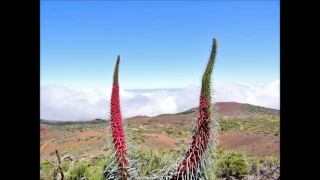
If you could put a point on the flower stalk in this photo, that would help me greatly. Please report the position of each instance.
(117, 126)
(190, 166)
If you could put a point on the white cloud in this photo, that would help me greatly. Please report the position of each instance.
(266, 96)
(61, 103)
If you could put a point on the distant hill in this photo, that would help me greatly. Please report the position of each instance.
(235, 109)
(225, 109)
(52, 122)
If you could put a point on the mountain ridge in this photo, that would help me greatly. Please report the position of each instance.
(225, 109)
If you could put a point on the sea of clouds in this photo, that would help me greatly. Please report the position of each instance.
(62, 103)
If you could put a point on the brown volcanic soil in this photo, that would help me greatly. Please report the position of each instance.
(50, 135)
(139, 118)
(159, 141)
(52, 146)
(89, 134)
(253, 144)
(225, 108)
(232, 140)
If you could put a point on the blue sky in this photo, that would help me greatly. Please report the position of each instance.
(163, 44)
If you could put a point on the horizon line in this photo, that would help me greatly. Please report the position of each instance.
(156, 115)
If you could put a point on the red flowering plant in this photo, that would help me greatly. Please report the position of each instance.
(118, 137)
(196, 162)
(120, 164)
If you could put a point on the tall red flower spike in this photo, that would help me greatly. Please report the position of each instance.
(117, 126)
(190, 167)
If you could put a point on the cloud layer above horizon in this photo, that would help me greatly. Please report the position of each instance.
(62, 103)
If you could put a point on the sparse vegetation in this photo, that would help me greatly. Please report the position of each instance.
(78, 172)
(262, 123)
(230, 164)
(267, 124)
